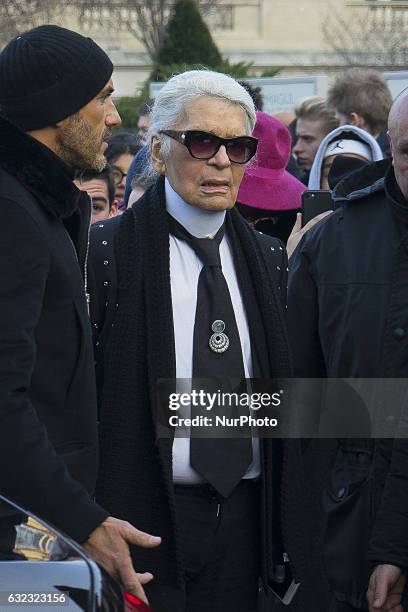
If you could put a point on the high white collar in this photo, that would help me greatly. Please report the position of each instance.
(199, 222)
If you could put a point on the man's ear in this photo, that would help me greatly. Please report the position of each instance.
(157, 156)
(357, 120)
(113, 211)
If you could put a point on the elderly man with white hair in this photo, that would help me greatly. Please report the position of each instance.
(185, 289)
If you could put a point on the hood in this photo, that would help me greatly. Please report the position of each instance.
(362, 182)
(343, 130)
(42, 172)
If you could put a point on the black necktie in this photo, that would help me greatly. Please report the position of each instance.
(217, 358)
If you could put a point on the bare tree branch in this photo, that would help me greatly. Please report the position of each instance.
(146, 20)
(368, 36)
(17, 16)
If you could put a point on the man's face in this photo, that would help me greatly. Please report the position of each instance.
(309, 134)
(210, 184)
(82, 136)
(398, 135)
(121, 166)
(97, 189)
(327, 163)
(143, 125)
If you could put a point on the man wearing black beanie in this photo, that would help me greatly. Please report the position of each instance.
(56, 112)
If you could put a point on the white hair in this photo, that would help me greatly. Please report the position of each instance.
(181, 89)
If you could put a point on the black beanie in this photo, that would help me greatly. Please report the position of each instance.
(49, 73)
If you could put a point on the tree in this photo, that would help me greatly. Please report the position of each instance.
(146, 20)
(374, 36)
(187, 38)
(17, 16)
(188, 44)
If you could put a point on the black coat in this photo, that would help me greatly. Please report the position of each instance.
(348, 317)
(48, 427)
(136, 470)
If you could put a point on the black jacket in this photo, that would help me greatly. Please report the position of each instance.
(348, 318)
(136, 469)
(48, 431)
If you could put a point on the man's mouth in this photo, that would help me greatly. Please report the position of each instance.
(215, 185)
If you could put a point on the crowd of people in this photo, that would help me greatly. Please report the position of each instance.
(197, 272)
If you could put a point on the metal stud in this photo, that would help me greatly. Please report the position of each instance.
(105, 263)
(277, 267)
(104, 242)
(105, 283)
(101, 225)
(280, 248)
(272, 248)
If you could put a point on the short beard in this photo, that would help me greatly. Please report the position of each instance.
(79, 147)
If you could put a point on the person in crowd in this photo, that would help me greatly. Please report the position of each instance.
(313, 122)
(100, 186)
(56, 113)
(347, 318)
(138, 178)
(361, 97)
(143, 121)
(269, 196)
(122, 147)
(288, 118)
(346, 141)
(388, 544)
(199, 294)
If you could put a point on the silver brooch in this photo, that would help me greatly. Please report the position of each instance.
(219, 342)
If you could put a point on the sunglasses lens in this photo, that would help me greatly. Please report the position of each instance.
(203, 145)
(241, 150)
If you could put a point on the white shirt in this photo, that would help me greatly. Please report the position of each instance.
(185, 268)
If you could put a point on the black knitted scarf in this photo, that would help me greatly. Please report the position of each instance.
(136, 468)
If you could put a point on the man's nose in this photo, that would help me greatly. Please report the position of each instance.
(221, 158)
(112, 117)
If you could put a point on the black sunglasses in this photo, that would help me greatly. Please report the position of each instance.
(204, 145)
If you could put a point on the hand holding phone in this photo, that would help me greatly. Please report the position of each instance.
(315, 203)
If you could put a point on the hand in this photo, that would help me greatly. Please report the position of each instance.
(109, 546)
(385, 589)
(298, 231)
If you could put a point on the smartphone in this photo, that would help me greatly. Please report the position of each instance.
(314, 203)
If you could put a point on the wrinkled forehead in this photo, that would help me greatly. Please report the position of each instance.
(94, 187)
(215, 115)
